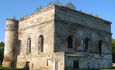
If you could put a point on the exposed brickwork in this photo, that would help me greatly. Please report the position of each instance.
(7, 59)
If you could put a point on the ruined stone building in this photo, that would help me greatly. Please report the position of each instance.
(58, 38)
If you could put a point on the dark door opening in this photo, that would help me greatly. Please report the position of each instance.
(12, 64)
(27, 66)
(76, 65)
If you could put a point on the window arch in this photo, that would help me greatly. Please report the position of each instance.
(86, 42)
(100, 46)
(41, 43)
(70, 42)
(29, 45)
(19, 47)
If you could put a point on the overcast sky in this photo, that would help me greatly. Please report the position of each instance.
(20, 8)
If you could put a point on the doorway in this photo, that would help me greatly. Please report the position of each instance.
(76, 65)
(27, 66)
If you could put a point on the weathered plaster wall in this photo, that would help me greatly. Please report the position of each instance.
(79, 34)
(40, 24)
(11, 38)
(87, 63)
(68, 15)
(49, 61)
(80, 26)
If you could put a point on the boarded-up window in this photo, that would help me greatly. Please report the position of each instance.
(70, 42)
(41, 44)
(29, 45)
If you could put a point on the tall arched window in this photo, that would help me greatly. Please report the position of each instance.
(86, 42)
(41, 43)
(100, 46)
(29, 45)
(70, 42)
(19, 47)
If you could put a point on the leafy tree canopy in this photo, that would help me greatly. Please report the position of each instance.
(39, 8)
(70, 5)
(1, 48)
(1, 45)
(57, 2)
(113, 42)
(113, 45)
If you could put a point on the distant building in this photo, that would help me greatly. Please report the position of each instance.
(58, 38)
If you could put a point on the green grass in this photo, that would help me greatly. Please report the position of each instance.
(8, 68)
(104, 69)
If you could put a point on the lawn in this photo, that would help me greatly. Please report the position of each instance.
(8, 68)
(107, 69)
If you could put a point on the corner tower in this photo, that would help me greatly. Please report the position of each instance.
(11, 38)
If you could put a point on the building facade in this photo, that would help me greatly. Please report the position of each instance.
(58, 38)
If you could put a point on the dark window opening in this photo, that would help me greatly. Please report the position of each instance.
(86, 44)
(76, 65)
(41, 43)
(19, 47)
(47, 62)
(29, 46)
(70, 42)
(100, 46)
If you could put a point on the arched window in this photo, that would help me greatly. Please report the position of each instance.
(100, 46)
(86, 42)
(19, 47)
(70, 42)
(40, 43)
(29, 45)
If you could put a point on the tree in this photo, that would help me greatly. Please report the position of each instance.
(97, 16)
(70, 5)
(1, 45)
(80, 10)
(39, 8)
(57, 2)
(91, 14)
(113, 50)
(50, 3)
(1, 51)
(113, 45)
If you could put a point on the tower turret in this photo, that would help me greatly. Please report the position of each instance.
(11, 39)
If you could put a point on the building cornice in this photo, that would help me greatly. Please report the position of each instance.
(38, 12)
(62, 7)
